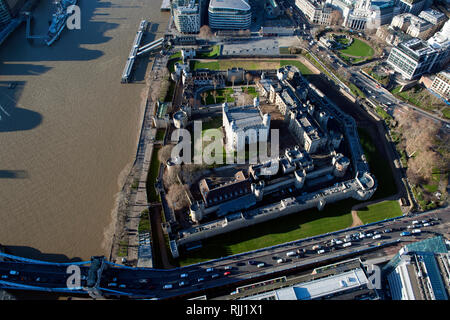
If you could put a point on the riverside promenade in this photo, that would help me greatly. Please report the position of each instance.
(134, 200)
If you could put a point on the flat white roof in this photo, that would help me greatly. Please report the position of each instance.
(318, 288)
(230, 4)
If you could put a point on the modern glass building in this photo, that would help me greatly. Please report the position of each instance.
(229, 14)
(415, 57)
(5, 15)
(186, 15)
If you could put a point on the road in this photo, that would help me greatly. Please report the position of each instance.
(242, 268)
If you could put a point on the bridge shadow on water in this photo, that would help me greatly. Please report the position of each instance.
(36, 254)
(19, 55)
(14, 117)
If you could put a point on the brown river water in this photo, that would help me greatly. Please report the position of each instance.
(69, 130)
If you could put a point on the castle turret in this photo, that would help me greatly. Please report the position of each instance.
(258, 190)
(300, 177)
(196, 211)
(323, 119)
(340, 164)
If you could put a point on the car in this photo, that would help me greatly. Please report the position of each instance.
(387, 230)
(123, 286)
(261, 265)
(215, 275)
(290, 254)
(4, 276)
(167, 286)
(369, 235)
(281, 260)
(228, 268)
(251, 262)
(200, 280)
(227, 273)
(13, 272)
(111, 284)
(320, 251)
(426, 224)
(210, 270)
(184, 275)
(405, 233)
(182, 283)
(143, 280)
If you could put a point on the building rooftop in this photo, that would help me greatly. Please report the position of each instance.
(328, 286)
(230, 4)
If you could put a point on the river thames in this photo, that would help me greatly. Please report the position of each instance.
(69, 129)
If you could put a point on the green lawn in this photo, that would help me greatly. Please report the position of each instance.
(152, 176)
(214, 53)
(358, 49)
(303, 69)
(160, 134)
(380, 211)
(245, 64)
(421, 98)
(223, 95)
(251, 91)
(144, 222)
(299, 225)
(446, 112)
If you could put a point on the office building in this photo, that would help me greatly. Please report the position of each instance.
(441, 84)
(415, 57)
(186, 15)
(317, 12)
(5, 14)
(418, 270)
(229, 14)
(432, 16)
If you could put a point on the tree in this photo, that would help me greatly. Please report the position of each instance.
(233, 79)
(215, 96)
(336, 18)
(165, 153)
(176, 197)
(204, 95)
(205, 33)
(248, 77)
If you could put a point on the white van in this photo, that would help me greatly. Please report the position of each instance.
(347, 244)
(290, 254)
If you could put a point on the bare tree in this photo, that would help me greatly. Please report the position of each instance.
(214, 93)
(205, 33)
(233, 79)
(176, 197)
(248, 77)
(336, 17)
(164, 153)
(204, 95)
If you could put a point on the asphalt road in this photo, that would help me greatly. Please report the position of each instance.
(150, 282)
